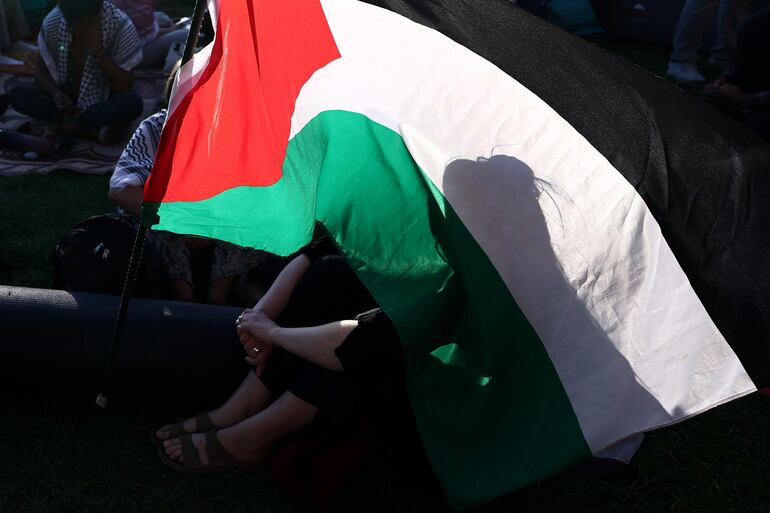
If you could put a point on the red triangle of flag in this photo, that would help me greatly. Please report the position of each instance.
(233, 128)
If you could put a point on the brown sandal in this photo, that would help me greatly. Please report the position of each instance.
(202, 424)
(220, 459)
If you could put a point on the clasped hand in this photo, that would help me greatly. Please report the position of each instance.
(255, 331)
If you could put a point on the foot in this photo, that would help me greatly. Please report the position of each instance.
(240, 449)
(685, 72)
(248, 400)
(38, 129)
(199, 423)
(173, 448)
(109, 135)
(717, 65)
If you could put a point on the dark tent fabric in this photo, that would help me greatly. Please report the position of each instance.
(705, 178)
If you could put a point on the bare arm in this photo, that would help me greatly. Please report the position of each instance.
(277, 297)
(118, 79)
(48, 84)
(271, 306)
(128, 198)
(43, 77)
(315, 344)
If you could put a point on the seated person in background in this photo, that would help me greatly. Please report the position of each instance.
(156, 30)
(688, 36)
(743, 91)
(229, 263)
(13, 28)
(83, 74)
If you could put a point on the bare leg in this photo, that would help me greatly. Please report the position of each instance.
(249, 398)
(183, 291)
(252, 439)
(219, 289)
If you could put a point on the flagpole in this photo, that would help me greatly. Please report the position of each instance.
(136, 251)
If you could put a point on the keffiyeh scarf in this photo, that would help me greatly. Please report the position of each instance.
(120, 41)
(135, 164)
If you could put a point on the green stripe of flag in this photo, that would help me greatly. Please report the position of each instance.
(466, 341)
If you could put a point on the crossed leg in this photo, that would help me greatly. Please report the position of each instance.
(252, 439)
(251, 397)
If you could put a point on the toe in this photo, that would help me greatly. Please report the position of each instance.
(173, 442)
(175, 453)
(162, 433)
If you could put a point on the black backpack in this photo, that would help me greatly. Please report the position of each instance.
(93, 257)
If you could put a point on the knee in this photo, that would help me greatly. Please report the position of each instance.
(32, 101)
(134, 103)
(131, 101)
(20, 94)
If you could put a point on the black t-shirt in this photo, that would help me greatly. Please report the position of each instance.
(373, 348)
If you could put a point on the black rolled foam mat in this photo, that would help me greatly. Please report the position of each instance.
(58, 342)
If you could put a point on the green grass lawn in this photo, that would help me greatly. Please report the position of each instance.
(63, 454)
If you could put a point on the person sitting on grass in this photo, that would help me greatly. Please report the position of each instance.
(83, 82)
(688, 36)
(229, 263)
(322, 351)
(743, 90)
(157, 31)
(13, 29)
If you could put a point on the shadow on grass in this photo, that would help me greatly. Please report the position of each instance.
(68, 455)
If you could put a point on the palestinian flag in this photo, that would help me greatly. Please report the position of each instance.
(572, 250)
